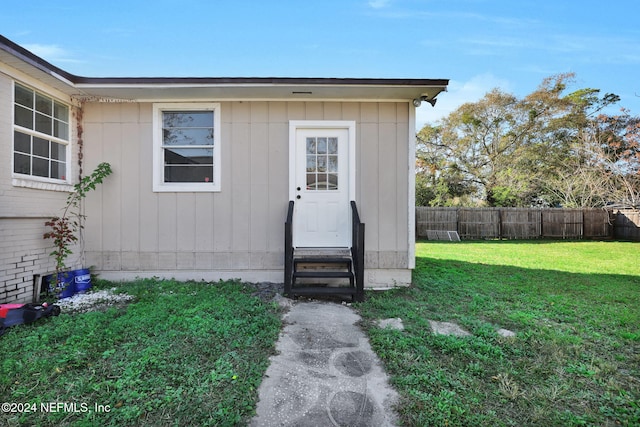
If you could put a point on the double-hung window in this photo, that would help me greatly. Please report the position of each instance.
(186, 147)
(40, 135)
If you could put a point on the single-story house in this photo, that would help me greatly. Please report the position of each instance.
(204, 170)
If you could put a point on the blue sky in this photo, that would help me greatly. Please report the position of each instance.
(477, 44)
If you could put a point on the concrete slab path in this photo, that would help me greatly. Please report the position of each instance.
(324, 373)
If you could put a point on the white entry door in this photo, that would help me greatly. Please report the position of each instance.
(322, 186)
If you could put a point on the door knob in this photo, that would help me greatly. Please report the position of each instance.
(298, 196)
(298, 188)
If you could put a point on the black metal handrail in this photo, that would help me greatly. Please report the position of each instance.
(288, 250)
(357, 251)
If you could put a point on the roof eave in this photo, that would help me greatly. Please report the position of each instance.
(151, 88)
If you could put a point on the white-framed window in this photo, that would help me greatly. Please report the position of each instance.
(40, 136)
(186, 147)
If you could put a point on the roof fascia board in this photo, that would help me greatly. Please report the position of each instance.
(35, 61)
(139, 84)
(252, 81)
(105, 99)
(80, 82)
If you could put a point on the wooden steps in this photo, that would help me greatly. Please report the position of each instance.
(323, 272)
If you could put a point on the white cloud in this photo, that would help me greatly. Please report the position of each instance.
(378, 4)
(459, 93)
(51, 52)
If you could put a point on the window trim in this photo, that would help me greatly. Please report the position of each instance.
(158, 165)
(41, 182)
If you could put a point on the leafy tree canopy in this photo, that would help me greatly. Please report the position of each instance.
(550, 148)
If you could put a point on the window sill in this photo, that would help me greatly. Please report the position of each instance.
(39, 185)
(186, 188)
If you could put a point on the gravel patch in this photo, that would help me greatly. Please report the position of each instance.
(103, 299)
(93, 301)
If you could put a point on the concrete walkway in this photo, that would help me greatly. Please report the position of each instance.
(324, 373)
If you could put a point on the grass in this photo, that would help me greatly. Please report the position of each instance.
(194, 353)
(181, 354)
(574, 361)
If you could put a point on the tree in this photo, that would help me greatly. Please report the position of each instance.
(607, 156)
(505, 151)
(433, 187)
(490, 145)
(65, 228)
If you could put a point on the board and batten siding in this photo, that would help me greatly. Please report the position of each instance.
(238, 232)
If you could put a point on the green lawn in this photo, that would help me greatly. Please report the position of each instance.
(195, 353)
(181, 354)
(575, 307)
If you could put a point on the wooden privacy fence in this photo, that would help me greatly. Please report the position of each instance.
(525, 223)
(627, 224)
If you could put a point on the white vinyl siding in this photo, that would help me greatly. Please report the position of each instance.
(186, 146)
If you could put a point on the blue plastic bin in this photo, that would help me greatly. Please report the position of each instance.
(82, 280)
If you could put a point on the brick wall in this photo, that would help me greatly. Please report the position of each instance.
(24, 254)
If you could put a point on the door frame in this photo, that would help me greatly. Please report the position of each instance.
(349, 125)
